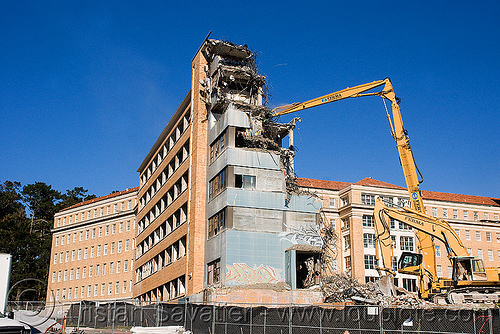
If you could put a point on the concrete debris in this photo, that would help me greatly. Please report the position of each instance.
(340, 288)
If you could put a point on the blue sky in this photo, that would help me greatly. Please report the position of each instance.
(87, 87)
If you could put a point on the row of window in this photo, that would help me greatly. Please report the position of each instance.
(80, 291)
(93, 271)
(95, 232)
(95, 213)
(478, 235)
(167, 147)
(173, 289)
(172, 253)
(369, 199)
(445, 211)
(165, 175)
(170, 196)
(94, 251)
(178, 218)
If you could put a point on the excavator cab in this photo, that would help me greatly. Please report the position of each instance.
(468, 268)
(409, 263)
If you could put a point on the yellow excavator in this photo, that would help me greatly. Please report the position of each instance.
(470, 281)
(423, 264)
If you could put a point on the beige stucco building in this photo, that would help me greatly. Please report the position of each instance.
(348, 207)
(92, 255)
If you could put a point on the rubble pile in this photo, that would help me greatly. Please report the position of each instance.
(340, 288)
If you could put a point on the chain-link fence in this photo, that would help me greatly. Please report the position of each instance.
(121, 316)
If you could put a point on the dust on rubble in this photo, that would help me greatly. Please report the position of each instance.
(340, 288)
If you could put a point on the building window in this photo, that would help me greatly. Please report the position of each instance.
(105, 249)
(345, 223)
(77, 273)
(480, 253)
(392, 223)
(216, 223)
(439, 270)
(488, 236)
(370, 262)
(438, 251)
(486, 216)
(455, 216)
(406, 243)
(111, 267)
(213, 272)
(434, 212)
(93, 233)
(348, 263)
(57, 241)
(113, 230)
(218, 146)
(98, 250)
(495, 216)
(117, 287)
(490, 255)
(332, 202)
(244, 181)
(112, 250)
(125, 266)
(128, 225)
(469, 251)
(92, 252)
(120, 228)
(53, 277)
(476, 216)
(445, 213)
(217, 184)
(62, 240)
(85, 253)
(55, 258)
(347, 242)
(410, 284)
(127, 243)
(107, 230)
(466, 215)
(478, 236)
(467, 235)
(457, 231)
(393, 238)
(367, 199)
(118, 267)
(368, 240)
(368, 221)
(403, 226)
(394, 263)
(84, 272)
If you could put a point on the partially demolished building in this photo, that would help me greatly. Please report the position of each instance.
(220, 210)
(217, 206)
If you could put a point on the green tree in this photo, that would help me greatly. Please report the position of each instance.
(26, 220)
(74, 196)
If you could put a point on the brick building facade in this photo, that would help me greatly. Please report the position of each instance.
(92, 254)
(348, 208)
